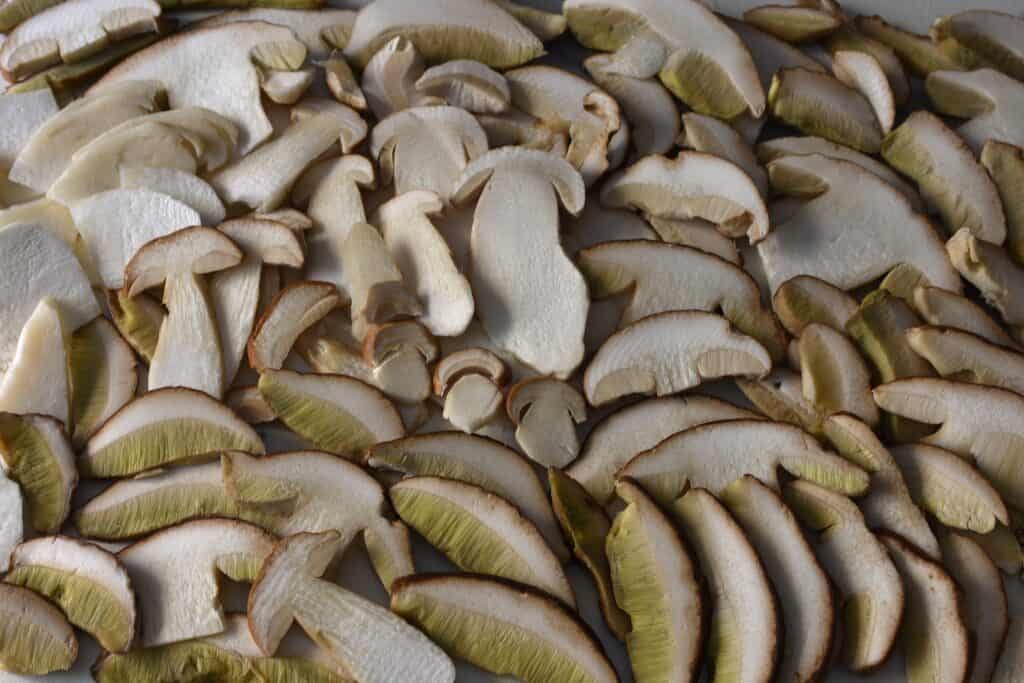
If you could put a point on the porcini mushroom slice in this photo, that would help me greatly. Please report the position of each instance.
(319, 29)
(950, 488)
(993, 35)
(103, 377)
(671, 352)
(1005, 164)
(342, 82)
(933, 635)
(398, 354)
(295, 309)
(162, 427)
(709, 135)
(35, 452)
(35, 638)
(338, 414)
(468, 84)
(174, 573)
(992, 101)
(138, 319)
(495, 626)
(389, 79)
(667, 611)
(469, 381)
(805, 300)
(693, 185)
(793, 23)
(361, 636)
(88, 583)
(14, 12)
(189, 189)
(183, 64)
(838, 235)
(862, 72)
(779, 395)
(835, 377)
(924, 149)
(920, 54)
(857, 562)
(991, 269)
(37, 380)
(545, 412)
(968, 358)
(12, 516)
(944, 309)
(480, 532)
(375, 283)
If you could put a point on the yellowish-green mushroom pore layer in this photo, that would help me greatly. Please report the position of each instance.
(29, 460)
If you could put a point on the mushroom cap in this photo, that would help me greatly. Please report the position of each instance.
(190, 250)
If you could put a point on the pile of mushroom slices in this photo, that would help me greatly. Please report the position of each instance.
(287, 281)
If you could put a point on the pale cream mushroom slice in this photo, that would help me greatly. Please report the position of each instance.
(371, 643)
(1003, 548)
(185, 187)
(35, 637)
(933, 636)
(668, 353)
(950, 180)
(993, 35)
(342, 83)
(849, 39)
(55, 218)
(12, 522)
(138, 319)
(389, 79)
(247, 402)
(320, 30)
(13, 12)
(1005, 163)
(779, 395)
(26, 113)
(378, 290)
(944, 309)
(693, 185)
(992, 270)
(469, 381)
(175, 575)
(992, 101)
(805, 300)
(295, 309)
(545, 412)
(711, 136)
(188, 352)
(545, 25)
(468, 84)
(38, 380)
(801, 22)
(163, 427)
(596, 224)
(920, 54)
(399, 355)
(36, 453)
(183, 64)
(966, 357)
(87, 583)
(839, 234)
(862, 72)
(335, 413)
(835, 377)
(103, 377)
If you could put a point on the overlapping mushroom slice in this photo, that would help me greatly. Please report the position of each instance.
(37, 380)
(138, 319)
(798, 23)
(1005, 164)
(670, 352)
(834, 376)
(839, 234)
(993, 35)
(35, 638)
(469, 381)
(920, 54)
(14, 12)
(189, 189)
(804, 300)
(35, 452)
(711, 136)
(993, 101)
(321, 30)
(545, 412)
(779, 395)
(467, 84)
(397, 355)
(295, 309)
(12, 528)
(991, 269)
(968, 358)
(389, 79)
(374, 282)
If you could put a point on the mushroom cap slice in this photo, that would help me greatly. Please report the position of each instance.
(862, 72)
(835, 377)
(659, 585)
(480, 532)
(1005, 163)
(711, 136)
(37, 381)
(389, 78)
(920, 54)
(35, 638)
(138, 319)
(846, 214)
(88, 583)
(933, 635)
(994, 35)
(295, 309)
(502, 628)
(806, 300)
(335, 413)
(740, 447)
(693, 185)
(342, 83)
(189, 189)
(398, 354)
(545, 412)
(793, 24)
(162, 427)
(36, 453)
(992, 101)
(779, 395)
(991, 269)
(11, 519)
(467, 84)
(174, 573)
(944, 309)
(472, 402)
(671, 352)
(857, 562)
(318, 29)
(374, 281)
(968, 358)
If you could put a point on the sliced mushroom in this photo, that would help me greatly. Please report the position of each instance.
(835, 378)
(1003, 548)
(779, 395)
(375, 283)
(944, 309)
(54, 218)
(467, 84)
(709, 135)
(37, 380)
(862, 72)
(805, 300)
(993, 35)
(1005, 164)
(14, 12)
(398, 355)
(389, 79)
(189, 189)
(35, 452)
(295, 309)
(320, 29)
(342, 82)
(138, 319)
(920, 54)
(968, 358)
(469, 381)
(103, 377)
(991, 269)
(799, 23)
(545, 412)
(35, 638)
(992, 101)
(12, 528)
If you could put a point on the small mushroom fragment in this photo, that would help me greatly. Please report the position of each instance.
(88, 583)
(371, 644)
(35, 638)
(835, 377)
(469, 381)
(295, 309)
(711, 136)
(967, 357)
(993, 35)
(1005, 164)
(162, 427)
(189, 189)
(175, 575)
(398, 354)
(103, 377)
(798, 23)
(11, 519)
(668, 353)
(862, 72)
(375, 283)
(54, 218)
(849, 39)
(992, 101)
(35, 452)
(342, 83)
(138, 319)
(943, 309)
(991, 269)
(286, 87)
(805, 300)
(467, 84)
(37, 381)
(920, 54)
(933, 635)
(545, 412)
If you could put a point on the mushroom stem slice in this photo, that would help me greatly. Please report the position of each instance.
(966, 357)
(35, 638)
(806, 300)
(295, 309)
(37, 382)
(545, 412)
(36, 453)
(12, 515)
(374, 281)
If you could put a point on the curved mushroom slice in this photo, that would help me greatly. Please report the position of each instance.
(933, 635)
(709, 135)
(375, 283)
(806, 300)
(800, 23)
(596, 224)
(35, 452)
(398, 354)
(862, 72)
(469, 381)
(174, 573)
(189, 189)
(517, 259)
(467, 84)
(967, 357)
(993, 35)
(666, 277)
(982, 422)
(162, 427)
(991, 269)
(389, 79)
(1005, 164)
(924, 149)
(37, 380)
(920, 54)
(335, 413)
(821, 235)
(800, 584)
(320, 30)
(183, 64)
(671, 352)
(295, 309)
(545, 412)
(779, 395)
(11, 519)
(944, 309)
(659, 586)
(693, 185)
(138, 319)
(88, 584)
(835, 377)
(54, 218)
(342, 83)
(992, 101)
(480, 532)
(103, 377)
(35, 638)
(14, 12)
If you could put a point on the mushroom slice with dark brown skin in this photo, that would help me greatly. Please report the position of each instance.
(992, 270)
(399, 354)
(469, 381)
(996, 36)
(992, 101)
(835, 377)
(464, 83)
(295, 309)
(35, 638)
(545, 412)
(966, 357)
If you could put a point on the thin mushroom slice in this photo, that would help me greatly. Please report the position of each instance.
(659, 585)
(469, 381)
(335, 413)
(1005, 163)
(779, 395)
(14, 12)
(944, 309)
(468, 84)
(295, 309)
(36, 453)
(799, 23)
(175, 575)
(374, 282)
(835, 377)
(993, 102)
(711, 136)
(933, 636)
(671, 352)
(696, 233)
(849, 39)
(805, 300)
(398, 355)
(545, 412)
(37, 380)
(12, 526)
(138, 319)
(1003, 548)
(862, 72)
(342, 83)
(920, 54)
(88, 583)
(187, 188)
(103, 377)
(800, 583)
(35, 638)
(966, 357)
(996, 36)
(991, 269)
(924, 149)
(247, 402)
(162, 427)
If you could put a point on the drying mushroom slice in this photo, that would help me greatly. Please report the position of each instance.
(545, 412)
(35, 638)
(14, 12)
(35, 452)
(992, 271)
(363, 637)
(295, 309)
(390, 76)
(992, 101)
(335, 413)
(54, 218)
(342, 83)
(103, 377)
(466, 84)
(319, 29)
(835, 377)
(944, 309)
(924, 149)
(1005, 164)
(226, 55)
(693, 185)
(375, 283)
(920, 54)
(37, 380)
(671, 352)
(659, 586)
(779, 395)
(805, 300)
(950, 488)
(800, 23)
(857, 562)
(480, 533)
(709, 135)
(479, 461)
(1003, 548)
(187, 188)
(12, 528)
(175, 575)
(86, 582)
(996, 36)
(545, 25)
(138, 319)
(399, 354)
(423, 256)
(469, 381)
(163, 427)
(862, 72)
(247, 402)
(965, 357)
(845, 241)
(933, 635)
(286, 87)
